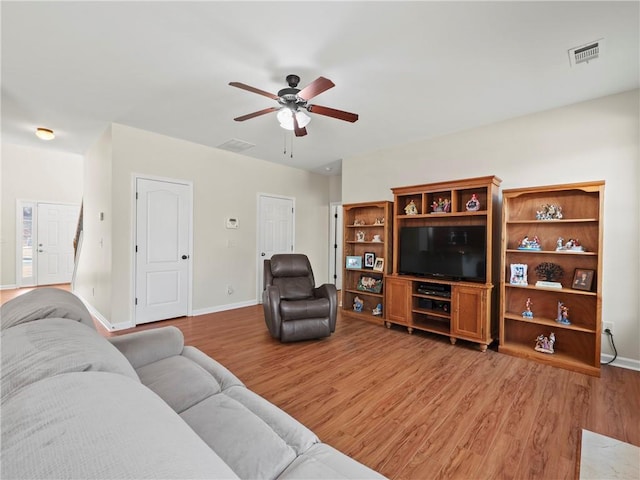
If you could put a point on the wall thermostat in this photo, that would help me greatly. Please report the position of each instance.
(232, 223)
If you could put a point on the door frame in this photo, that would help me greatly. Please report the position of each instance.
(259, 259)
(133, 229)
(20, 204)
(336, 233)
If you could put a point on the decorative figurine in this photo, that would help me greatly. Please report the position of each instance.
(376, 238)
(549, 212)
(527, 313)
(572, 245)
(360, 236)
(563, 314)
(441, 206)
(379, 221)
(357, 304)
(544, 344)
(526, 244)
(549, 274)
(378, 310)
(473, 205)
(518, 274)
(411, 208)
(357, 222)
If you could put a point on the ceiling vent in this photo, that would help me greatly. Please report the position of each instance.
(587, 52)
(235, 145)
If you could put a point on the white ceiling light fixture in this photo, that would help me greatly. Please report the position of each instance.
(285, 117)
(45, 133)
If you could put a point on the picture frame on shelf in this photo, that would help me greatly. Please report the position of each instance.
(378, 266)
(518, 274)
(367, 283)
(353, 262)
(369, 259)
(582, 279)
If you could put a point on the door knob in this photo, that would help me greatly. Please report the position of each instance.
(263, 254)
(40, 250)
(184, 257)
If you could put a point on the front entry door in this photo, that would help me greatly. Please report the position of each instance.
(163, 224)
(56, 228)
(275, 231)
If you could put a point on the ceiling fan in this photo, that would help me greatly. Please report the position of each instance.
(292, 101)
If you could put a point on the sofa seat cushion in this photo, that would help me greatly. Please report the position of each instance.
(252, 436)
(179, 381)
(100, 425)
(301, 309)
(43, 348)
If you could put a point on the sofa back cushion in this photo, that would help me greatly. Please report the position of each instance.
(43, 348)
(44, 303)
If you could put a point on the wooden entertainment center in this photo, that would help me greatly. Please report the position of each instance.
(459, 309)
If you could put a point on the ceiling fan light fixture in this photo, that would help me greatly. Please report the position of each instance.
(285, 117)
(45, 133)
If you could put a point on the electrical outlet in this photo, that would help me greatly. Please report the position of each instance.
(607, 326)
(229, 289)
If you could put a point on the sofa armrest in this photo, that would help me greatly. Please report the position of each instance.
(328, 290)
(148, 346)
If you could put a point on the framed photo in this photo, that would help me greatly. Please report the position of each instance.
(378, 266)
(369, 259)
(354, 262)
(582, 279)
(518, 274)
(369, 284)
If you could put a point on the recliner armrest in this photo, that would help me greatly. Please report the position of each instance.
(148, 346)
(329, 291)
(271, 306)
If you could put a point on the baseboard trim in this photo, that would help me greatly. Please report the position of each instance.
(622, 362)
(112, 327)
(223, 308)
(8, 287)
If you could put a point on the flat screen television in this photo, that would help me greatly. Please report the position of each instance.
(448, 252)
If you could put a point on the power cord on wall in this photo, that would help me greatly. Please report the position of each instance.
(613, 345)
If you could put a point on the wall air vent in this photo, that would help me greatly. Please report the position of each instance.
(587, 52)
(235, 145)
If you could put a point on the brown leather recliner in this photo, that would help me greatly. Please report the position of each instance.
(294, 308)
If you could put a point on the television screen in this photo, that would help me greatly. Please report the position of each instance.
(449, 252)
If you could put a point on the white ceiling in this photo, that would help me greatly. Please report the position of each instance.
(411, 70)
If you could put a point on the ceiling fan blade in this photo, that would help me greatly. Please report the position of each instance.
(315, 88)
(244, 86)
(256, 114)
(332, 112)
(299, 131)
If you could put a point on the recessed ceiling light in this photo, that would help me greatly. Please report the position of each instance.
(45, 133)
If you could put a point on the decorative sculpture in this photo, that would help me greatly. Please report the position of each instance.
(563, 314)
(527, 313)
(544, 344)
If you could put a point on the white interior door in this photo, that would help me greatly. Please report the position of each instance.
(163, 230)
(275, 231)
(55, 231)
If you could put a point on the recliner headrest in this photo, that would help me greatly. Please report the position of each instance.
(290, 265)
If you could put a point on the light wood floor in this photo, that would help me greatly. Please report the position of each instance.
(417, 407)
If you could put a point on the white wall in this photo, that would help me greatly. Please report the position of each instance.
(33, 174)
(224, 185)
(594, 140)
(93, 277)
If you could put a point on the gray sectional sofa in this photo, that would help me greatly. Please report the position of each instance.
(142, 405)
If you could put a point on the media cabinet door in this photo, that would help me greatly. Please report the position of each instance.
(469, 313)
(398, 300)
